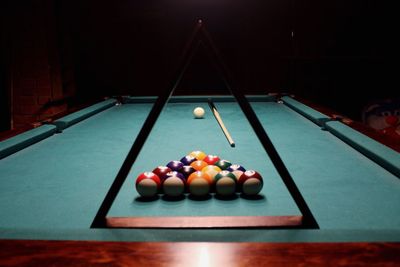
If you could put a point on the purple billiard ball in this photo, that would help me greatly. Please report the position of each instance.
(186, 160)
(187, 170)
(173, 173)
(175, 165)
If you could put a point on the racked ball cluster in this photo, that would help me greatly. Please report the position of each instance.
(199, 174)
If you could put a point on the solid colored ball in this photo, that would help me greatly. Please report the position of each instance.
(148, 184)
(223, 164)
(171, 174)
(211, 170)
(225, 183)
(250, 183)
(175, 165)
(186, 160)
(199, 155)
(161, 171)
(198, 165)
(187, 170)
(174, 186)
(211, 159)
(198, 113)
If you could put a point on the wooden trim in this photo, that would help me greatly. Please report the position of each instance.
(95, 253)
(204, 222)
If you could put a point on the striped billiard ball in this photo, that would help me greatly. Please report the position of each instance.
(199, 184)
(250, 183)
(148, 184)
(225, 183)
(174, 186)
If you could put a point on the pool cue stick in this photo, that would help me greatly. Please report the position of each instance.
(221, 123)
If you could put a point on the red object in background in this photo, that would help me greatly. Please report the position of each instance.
(392, 120)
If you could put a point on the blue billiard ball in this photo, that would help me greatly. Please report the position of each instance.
(186, 160)
(175, 165)
(236, 167)
(187, 170)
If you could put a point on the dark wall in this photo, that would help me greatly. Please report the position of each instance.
(5, 121)
(338, 55)
(130, 47)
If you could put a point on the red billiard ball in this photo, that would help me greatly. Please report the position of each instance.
(148, 184)
(211, 159)
(161, 171)
(250, 183)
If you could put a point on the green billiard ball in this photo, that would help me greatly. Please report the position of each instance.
(223, 164)
(225, 183)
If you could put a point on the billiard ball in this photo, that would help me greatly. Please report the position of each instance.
(198, 113)
(186, 160)
(170, 174)
(236, 167)
(237, 170)
(198, 165)
(199, 155)
(174, 186)
(187, 170)
(199, 184)
(250, 183)
(201, 175)
(223, 164)
(148, 184)
(175, 165)
(225, 183)
(211, 159)
(161, 171)
(211, 170)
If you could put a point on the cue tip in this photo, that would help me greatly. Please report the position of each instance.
(233, 145)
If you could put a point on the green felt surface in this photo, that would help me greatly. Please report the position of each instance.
(61, 181)
(343, 188)
(175, 135)
(80, 115)
(53, 188)
(313, 115)
(16, 143)
(381, 154)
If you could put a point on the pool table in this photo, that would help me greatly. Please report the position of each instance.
(54, 180)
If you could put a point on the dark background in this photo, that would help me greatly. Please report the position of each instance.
(342, 54)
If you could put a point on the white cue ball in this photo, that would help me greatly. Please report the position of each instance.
(198, 112)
